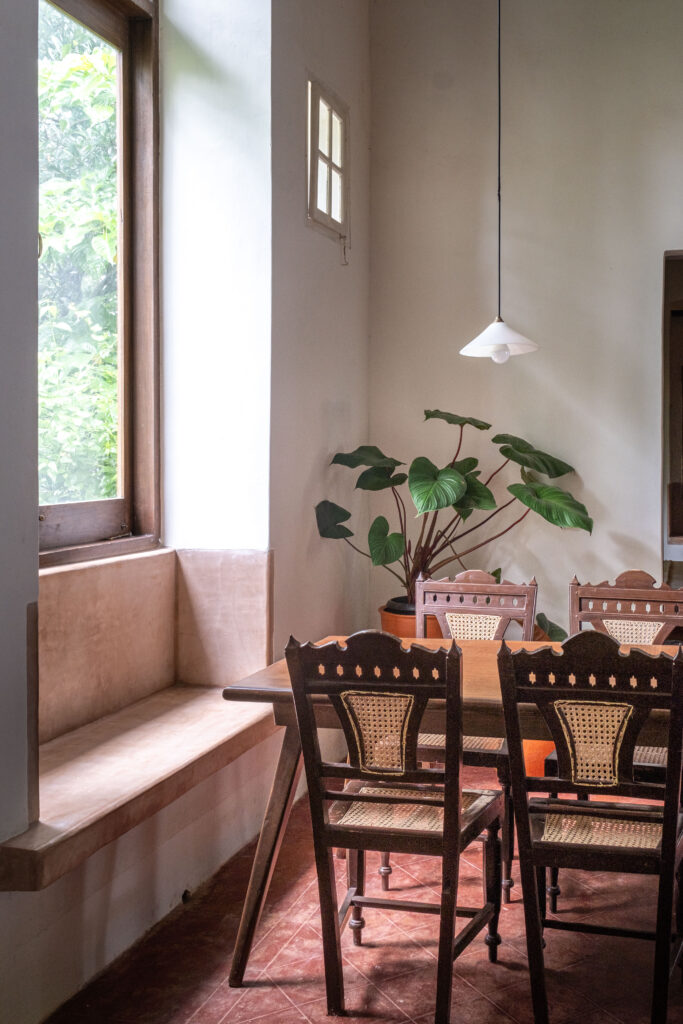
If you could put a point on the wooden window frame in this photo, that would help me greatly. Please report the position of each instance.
(79, 531)
(318, 218)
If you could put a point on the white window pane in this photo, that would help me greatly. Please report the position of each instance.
(337, 139)
(323, 172)
(324, 129)
(336, 212)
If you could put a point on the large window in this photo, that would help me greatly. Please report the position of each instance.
(98, 465)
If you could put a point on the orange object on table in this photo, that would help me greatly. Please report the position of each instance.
(535, 753)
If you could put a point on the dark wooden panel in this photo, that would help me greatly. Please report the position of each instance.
(81, 522)
(104, 19)
(103, 549)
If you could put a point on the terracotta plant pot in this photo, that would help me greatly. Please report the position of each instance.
(398, 617)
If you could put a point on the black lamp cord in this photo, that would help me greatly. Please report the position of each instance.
(499, 118)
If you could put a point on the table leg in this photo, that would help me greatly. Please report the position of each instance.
(273, 829)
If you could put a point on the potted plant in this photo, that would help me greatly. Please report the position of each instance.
(445, 500)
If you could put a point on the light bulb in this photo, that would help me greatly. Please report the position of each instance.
(500, 354)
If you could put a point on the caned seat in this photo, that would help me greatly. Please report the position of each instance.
(595, 701)
(474, 606)
(388, 801)
(632, 610)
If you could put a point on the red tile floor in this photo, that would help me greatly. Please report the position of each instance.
(178, 974)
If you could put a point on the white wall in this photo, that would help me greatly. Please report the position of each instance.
(320, 325)
(18, 394)
(592, 151)
(216, 217)
(216, 272)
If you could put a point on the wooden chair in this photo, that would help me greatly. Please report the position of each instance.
(595, 701)
(632, 610)
(380, 691)
(474, 606)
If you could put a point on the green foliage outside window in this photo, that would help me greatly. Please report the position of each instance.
(78, 357)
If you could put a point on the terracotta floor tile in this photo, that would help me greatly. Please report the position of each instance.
(364, 1004)
(178, 974)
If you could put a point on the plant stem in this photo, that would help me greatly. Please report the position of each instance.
(483, 543)
(495, 512)
(359, 550)
(455, 457)
(403, 525)
(487, 482)
(402, 581)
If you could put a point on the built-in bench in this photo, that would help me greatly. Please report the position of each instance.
(119, 740)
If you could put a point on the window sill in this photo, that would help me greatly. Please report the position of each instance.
(95, 552)
(99, 781)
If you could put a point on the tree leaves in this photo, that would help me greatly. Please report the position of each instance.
(329, 517)
(385, 547)
(518, 450)
(78, 359)
(552, 503)
(457, 421)
(432, 488)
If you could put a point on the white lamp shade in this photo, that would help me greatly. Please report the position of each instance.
(498, 342)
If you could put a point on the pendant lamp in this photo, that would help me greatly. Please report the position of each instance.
(499, 341)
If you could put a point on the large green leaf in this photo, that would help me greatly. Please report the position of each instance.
(457, 421)
(552, 503)
(378, 478)
(477, 495)
(518, 450)
(465, 466)
(385, 547)
(329, 516)
(432, 488)
(550, 628)
(366, 455)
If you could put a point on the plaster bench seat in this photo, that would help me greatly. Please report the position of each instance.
(101, 779)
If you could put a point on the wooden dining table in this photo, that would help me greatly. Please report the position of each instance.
(482, 716)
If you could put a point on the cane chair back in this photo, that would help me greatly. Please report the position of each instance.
(474, 606)
(388, 800)
(380, 691)
(633, 610)
(595, 701)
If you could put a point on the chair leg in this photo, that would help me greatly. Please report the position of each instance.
(492, 886)
(553, 890)
(329, 917)
(356, 876)
(679, 912)
(540, 885)
(508, 838)
(534, 941)
(660, 985)
(384, 870)
(444, 970)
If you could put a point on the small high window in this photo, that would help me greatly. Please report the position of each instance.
(328, 170)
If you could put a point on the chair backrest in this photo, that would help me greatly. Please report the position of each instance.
(594, 701)
(633, 610)
(380, 691)
(474, 606)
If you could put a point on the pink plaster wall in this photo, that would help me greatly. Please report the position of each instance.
(106, 637)
(223, 615)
